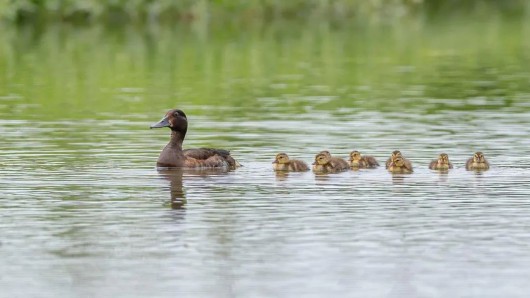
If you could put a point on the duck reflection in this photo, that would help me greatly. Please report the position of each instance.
(175, 176)
(176, 190)
(281, 176)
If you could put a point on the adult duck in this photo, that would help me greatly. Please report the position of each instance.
(173, 156)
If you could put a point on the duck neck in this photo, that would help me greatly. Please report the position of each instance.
(176, 140)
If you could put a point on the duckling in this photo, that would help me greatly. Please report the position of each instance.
(173, 156)
(325, 163)
(395, 154)
(399, 166)
(477, 162)
(442, 163)
(283, 163)
(362, 162)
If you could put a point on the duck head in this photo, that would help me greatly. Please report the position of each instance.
(398, 161)
(322, 159)
(396, 153)
(443, 159)
(174, 119)
(478, 157)
(355, 156)
(281, 158)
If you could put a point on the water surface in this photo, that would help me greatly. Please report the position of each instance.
(85, 213)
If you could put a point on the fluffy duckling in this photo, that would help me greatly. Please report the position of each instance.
(399, 166)
(442, 163)
(477, 162)
(357, 161)
(173, 156)
(283, 163)
(325, 163)
(395, 154)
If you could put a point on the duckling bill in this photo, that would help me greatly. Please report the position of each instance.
(173, 156)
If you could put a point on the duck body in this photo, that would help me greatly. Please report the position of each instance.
(325, 163)
(477, 162)
(283, 163)
(358, 161)
(441, 164)
(173, 156)
(399, 166)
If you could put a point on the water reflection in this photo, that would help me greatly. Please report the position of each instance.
(176, 189)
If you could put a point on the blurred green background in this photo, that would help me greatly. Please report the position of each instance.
(122, 11)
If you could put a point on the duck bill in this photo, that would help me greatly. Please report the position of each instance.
(275, 161)
(162, 123)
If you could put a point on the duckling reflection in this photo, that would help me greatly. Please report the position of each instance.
(176, 190)
(478, 162)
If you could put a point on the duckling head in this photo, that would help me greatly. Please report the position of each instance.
(174, 119)
(396, 153)
(443, 159)
(478, 157)
(281, 158)
(325, 152)
(398, 161)
(355, 155)
(322, 159)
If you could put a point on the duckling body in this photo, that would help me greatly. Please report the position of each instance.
(396, 154)
(283, 163)
(173, 156)
(358, 161)
(399, 166)
(325, 163)
(441, 164)
(477, 162)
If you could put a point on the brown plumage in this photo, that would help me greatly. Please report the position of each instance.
(173, 156)
(477, 162)
(283, 163)
(399, 166)
(358, 161)
(442, 163)
(325, 163)
(395, 154)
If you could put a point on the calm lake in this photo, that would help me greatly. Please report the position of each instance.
(84, 212)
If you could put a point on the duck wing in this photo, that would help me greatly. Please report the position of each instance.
(209, 157)
(370, 161)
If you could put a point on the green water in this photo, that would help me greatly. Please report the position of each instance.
(83, 211)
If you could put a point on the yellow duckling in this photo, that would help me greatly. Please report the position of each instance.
(442, 163)
(477, 162)
(283, 163)
(325, 163)
(399, 166)
(395, 154)
(357, 161)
